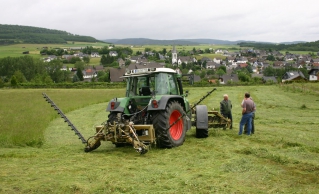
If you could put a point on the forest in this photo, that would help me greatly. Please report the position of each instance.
(308, 46)
(12, 34)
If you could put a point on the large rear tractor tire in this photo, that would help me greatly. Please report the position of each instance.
(174, 136)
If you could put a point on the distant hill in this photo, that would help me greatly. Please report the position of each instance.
(213, 41)
(10, 34)
(145, 41)
(300, 46)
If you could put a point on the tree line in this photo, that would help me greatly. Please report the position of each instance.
(308, 46)
(10, 34)
(26, 69)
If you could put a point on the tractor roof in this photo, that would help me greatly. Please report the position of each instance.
(147, 71)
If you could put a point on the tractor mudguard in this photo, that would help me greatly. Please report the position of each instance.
(164, 100)
(201, 117)
(117, 107)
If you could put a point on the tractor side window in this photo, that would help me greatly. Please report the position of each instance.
(162, 86)
(172, 84)
(132, 86)
(141, 82)
(143, 85)
(152, 82)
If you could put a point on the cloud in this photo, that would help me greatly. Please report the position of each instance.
(257, 20)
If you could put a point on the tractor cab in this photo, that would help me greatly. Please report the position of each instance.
(151, 82)
(144, 85)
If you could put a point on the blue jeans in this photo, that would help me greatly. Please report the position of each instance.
(246, 118)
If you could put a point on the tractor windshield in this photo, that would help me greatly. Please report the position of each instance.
(160, 83)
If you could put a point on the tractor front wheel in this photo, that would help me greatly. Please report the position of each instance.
(162, 120)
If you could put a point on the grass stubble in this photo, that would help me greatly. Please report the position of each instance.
(282, 157)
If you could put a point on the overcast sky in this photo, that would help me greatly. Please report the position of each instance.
(255, 20)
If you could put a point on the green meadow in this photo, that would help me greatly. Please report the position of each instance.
(40, 154)
(16, 50)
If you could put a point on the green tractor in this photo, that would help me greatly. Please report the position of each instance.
(154, 111)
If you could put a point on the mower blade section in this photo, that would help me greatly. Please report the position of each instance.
(64, 117)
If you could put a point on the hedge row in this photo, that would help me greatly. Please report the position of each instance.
(98, 85)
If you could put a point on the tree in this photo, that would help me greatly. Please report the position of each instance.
(109, 59)
(79, 74)
(73, 60)
(86, 59)
(79, 65)
(271, 58)
(210, 72)
(243, 77)
(183, 65)
(164, 51)
(202, 74)
(204, 65)
(19, 76)
(269, 71)
(114, 64)
(54, 70)
(103, 76)
(103, 60)
(222, 67)
(66, 76)
(75, 78)
(249, 68)
(47, 79)
(127, 62)
(304, 71)
(147, 49)
(220, 72)
(14, 81)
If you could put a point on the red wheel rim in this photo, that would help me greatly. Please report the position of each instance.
(177, 129)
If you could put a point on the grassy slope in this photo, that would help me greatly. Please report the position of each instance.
(281, 157)
(180, 47)
(34, 49)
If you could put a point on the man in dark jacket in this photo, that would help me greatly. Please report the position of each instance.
(225, 109)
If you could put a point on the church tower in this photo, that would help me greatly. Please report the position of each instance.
(174, 56)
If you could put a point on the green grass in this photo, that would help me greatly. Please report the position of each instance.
(141, 48)
(16, 50)
(25, 114)
(211, 56)
(282, 156)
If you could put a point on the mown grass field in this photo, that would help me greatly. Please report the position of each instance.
(281, 157)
